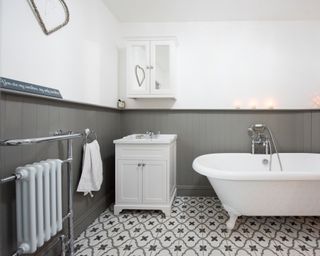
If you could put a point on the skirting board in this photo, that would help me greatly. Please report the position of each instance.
(191, 190)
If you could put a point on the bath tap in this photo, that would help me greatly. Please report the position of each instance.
(256, 132)
(258, 138)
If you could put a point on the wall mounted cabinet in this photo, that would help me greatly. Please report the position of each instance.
(151, 68)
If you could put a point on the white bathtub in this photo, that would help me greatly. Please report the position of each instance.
(245, 185)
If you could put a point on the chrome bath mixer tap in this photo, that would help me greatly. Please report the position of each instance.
(258, 137)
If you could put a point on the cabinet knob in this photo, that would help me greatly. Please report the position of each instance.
(139, 164)
(143, 165)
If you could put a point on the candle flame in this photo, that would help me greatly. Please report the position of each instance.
(316, 101)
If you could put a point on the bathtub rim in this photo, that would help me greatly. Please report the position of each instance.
(221, 174)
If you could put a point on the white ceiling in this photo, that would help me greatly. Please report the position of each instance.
(212, 10)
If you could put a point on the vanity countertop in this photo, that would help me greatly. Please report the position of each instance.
(146, 139)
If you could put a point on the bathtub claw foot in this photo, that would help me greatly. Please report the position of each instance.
(231, 221)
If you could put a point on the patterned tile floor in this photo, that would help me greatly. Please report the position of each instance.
(197, 227)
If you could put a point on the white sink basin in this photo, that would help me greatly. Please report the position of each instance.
(146, 139)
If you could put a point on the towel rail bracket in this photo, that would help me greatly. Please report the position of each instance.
(10, 178)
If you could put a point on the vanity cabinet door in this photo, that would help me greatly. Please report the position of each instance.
(162, 79)
(154, 175)
(138, 68)
(128, 182)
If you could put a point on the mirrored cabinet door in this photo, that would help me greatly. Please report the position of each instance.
(138, 67)
(162, 67)
(151, 68)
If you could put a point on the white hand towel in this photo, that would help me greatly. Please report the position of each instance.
(91, 177)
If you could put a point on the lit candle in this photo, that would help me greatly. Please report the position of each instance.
(253, 104)
(237, 104)
(316, 101)
(270, 104)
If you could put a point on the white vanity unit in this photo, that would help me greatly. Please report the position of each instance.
(145, 172)
(151, 68)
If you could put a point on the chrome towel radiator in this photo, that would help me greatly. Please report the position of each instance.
(20, 175)
(39, 204)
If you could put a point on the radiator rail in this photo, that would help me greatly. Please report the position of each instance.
(58, 136)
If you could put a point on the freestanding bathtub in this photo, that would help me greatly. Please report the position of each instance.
(245, 186)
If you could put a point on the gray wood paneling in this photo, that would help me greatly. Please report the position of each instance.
(203, 132)
(316, 132)
(22, 117)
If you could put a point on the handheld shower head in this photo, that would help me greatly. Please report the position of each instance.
(258, 127)
(256, 130)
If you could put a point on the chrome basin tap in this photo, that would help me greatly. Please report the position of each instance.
(152, 134)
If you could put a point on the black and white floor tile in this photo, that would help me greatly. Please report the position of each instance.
(196, 227)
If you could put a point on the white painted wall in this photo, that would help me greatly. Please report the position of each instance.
(224, 64)
(80, 59)
(221, 64)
